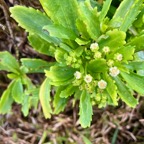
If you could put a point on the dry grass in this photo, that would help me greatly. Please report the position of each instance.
(63, 128)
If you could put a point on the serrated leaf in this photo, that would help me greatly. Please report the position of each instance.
(62, 12)
(105, 9)
(97, 65)
(45, 99)
(59, 103)
(9, 63)
(60, 32)
(17, 91)
(114, 39)
(89, 16)
(32, 21)
(68, 91)
(135, 81)
(85, 109)
(125, 94)
(126, 14)
(111, 89)
(6, 100)
(41, 45)
(36, 65)
(60, 75)
(127, 52)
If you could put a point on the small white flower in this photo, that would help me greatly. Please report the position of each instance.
(119, 57)
(77, 75)
(97, 54)
(114, 71)
(94, 46)
(88, 78)
(106, 49)
(102, 84)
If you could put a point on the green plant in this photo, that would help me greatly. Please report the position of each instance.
(97, 56)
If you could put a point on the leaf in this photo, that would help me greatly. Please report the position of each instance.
(60, 32)
(127, 52)
(105, 9)
(111, 89)
(137, 41)
(36, 65)
(114, 39)
(59, 103)
(6, 100)
(41, 45)
(86, 140)
(135, 65)
(17, 91)
(68, 91)
(60, 75)
(125, 94)
(85, 109)
(8, 63)
(45, 99)
(82, 28)
(89, 16)
(97, 65)
(62, 12)
(32, 21)
(25, 105)
(135, 81)
(125, 14)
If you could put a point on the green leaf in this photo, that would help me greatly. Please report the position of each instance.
(60, 75)
(41, 45)
(6, 100)
(86, 140)
(68, 91)
(85, 109)
(36, 65)
(89, 16)
(136, 65)
(60, 32)
(62, 12)
(32, 21)
(25, 105)
(45, 99)
(111, 89)
(113, 39)
(105, 9)
(17, 91)
(125, 94)
(8, 63)
(137, 41)
(135, 81)
(97, 65)
(59, 103)
(127, 52)
(82, 28)
(125, 14)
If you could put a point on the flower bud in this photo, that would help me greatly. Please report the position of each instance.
(88, 78)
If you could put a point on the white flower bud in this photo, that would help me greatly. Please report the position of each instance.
(106, 49)
(97, 54)
(114, 71)
(94, 46)
(110, 63)
(88, 78)
(118, 57)
(77, 75)
(102, 84)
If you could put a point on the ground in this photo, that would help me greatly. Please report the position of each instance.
(110, 125)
